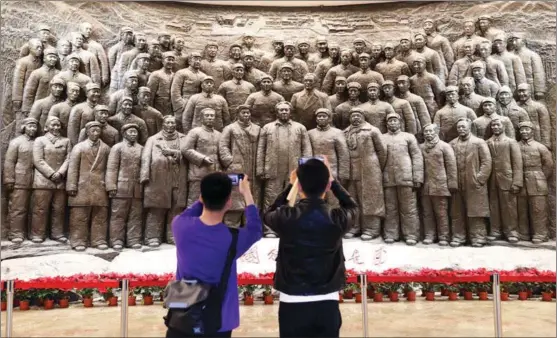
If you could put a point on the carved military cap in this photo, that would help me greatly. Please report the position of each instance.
(266, 76)
(303, 42)
(354, 85)
(71, 85)
(420, 58)
(211, 43)
(49, 120)
(387, 83)
(128, 126)
(238, 65)
(126, 29)
(126, 98)
(278, 40)
(168, 55)
(341, 78)
(392, 116)
(485, 17)
(74, 56)
(154, 42)
(364, 55)
(138, 35)
(289, 43)
(235, 45)
(504, 89)
(528, 124)
(129, 74)
(334, 45)
(249, 35)
(358, 40)
(143, 56)
(161, 34)
(321, 39)
(91, 86)
(449, 89)
(208, 78)
(389, 45)
(356, 110)
(26, 121)
(242, 107)
(499, 37)
(429, 20)
(43, 27)
(144, 90)
(100, 107)
(402, 78)
(287, 65)
(477, 64)
(523, 86)
(58, 80)
(323, 111)
(309, 76)
(248, 53)
(373, 85)
(50, 50)
(92, 124)
(488, 99)
(192, 54)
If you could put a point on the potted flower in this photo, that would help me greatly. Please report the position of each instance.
(131, 297)
(393, 291)
(4, 302)
(522, 289)
(482, 289)
(506, 289)
(47, 295)
(147, 295)
(357, 291)
(63, 299)
(87, 296)
(109, 296)
(409, 291)
(349, 291)
(268, 295)
(247, 291)
(24, 297)
(547, 291)
(452, 291)
(467, 290)
(429, 290)
(379, 290)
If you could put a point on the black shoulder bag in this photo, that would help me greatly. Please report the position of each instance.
(195, 307)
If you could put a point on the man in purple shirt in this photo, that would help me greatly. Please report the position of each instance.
(202, 243)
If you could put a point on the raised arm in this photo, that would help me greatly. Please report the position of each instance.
(345, 215)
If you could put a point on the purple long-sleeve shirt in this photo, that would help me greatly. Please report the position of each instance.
(201, 252)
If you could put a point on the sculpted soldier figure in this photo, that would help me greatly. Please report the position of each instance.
(23, 69)
(447, 117)
(160, 83)
(440, 179)
(469, 35)
(303, 51)
(486, 30)
(341, 93)
(532, 200)
(72, 74)
(281, 144)
(97, 50)
(124, 189)
(236, 91)
(40, 109)
(341, 116)
(51, 154)
(470, 98)
(202, 145)
(85, 185)
(109, 135)
(262, 103)
(470, 204)
(218, 69)
(481, 127)
(506, 106)
(392, 68)
(164, 40)
(307, 101)
(89, 64)
(504, 184)
(115, 52)
(38, 84)
(131, 84)
(43, 36)
(409, 122)
(268, 59)
(285, 86)
(128, 60)
(406, 54)
(433, 60)
(186, 82)
(322, 54)
(416, 102)
(368, 154)
(344, 69)
(252, 74)
(180, 54)
(376, 55)
(156, 56)
(142, 71)
(192, 116)
(494, 69)
(365, 75)
(248, 42)
(125, 116)
(484, 86)
(300, 68)
(238, 154)
(539, 116)
(18, 178)
(359, 45)
(426, 85)
(234, 55)
(325, 65)
(512, 62)
(533, 67)
(151, 116)
(163, 175)
(461, 67)
(83, 112)
(64, 48)
(62, 110)
(402, 175)
(439, 43)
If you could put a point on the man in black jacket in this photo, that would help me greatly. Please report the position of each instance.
(310, 263)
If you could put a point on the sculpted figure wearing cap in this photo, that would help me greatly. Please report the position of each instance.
(40, 109)
(251, 73)
(115, 52)
(182, 61)
(303, 50)
(131, 85)
(512, 62)
(83, 112)
(236, 91)
(481, 127)
(392, 68)
(469, 34)
(324, 65)
(434, 64)
(86, 30)
(234, 55)
(322, 53)
(51, 154)
(18, 179)
(447, 117)
(143, 110)
(124, 116)
(428, 86)
(368, 154)
(238, 154)
(409, 122)
(62, 110)
(533, 67)
(156, 55)
(64, 48)
(88, 200)
(341, 116)
(507, 106)
(300, 68)
(494, 69)
(469, 98)
(89, 63)
(160, 84)
(165, 41)
(38, 84)
(358, 47)
(269, 58)
(485, 28)
(43, 35)
(248, 45)
(539, 116)
(193, 116)
(307, 101)
(124, 189)
(143, 61)
(438, 43)
(344, 69)
(109, 135)
(72, 74)
(461, 67)
(341, 94)
(375, 110)
(421, 114)
(218, 69)
(284, 85)
(484, 86)
(406, 54)
(263, 102)
(365, 76)
(128, 60)
(23, 69)
(186, 82)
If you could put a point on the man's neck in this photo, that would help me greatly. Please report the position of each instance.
(237, 81)
(129, 143)
(244, 123)
(390, 99)
(193, 69)
(266, 92)
(211, 218)
(167, 70)
(394, 132)
(464, 138)
(207, 128)
(91, 103)
(286, 81)
(324, 128)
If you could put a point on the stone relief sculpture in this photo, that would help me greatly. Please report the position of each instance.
(193, 116)
(86, 30)
(62, 110)
(22, 72)
(306, 102)
(38, 84)
(41, 108)
(285, 86)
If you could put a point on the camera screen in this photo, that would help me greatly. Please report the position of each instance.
(235, 178)
(305, 159)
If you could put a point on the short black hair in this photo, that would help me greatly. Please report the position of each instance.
(215, 190)
(313, 177)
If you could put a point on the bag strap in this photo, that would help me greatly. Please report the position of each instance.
(221, 290)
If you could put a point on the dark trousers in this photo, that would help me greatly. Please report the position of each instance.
(170, 333)
(312, 319)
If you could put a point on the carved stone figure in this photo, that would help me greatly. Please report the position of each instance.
(83, 112)
(22, 72)
(406, 54)
(440, 179)
(268, 59)
(192, 116)
(484, 86)
(486, 30)
(164, 39)
(470, 204)
(142, 71)
(234, 55)
(131, 85)
(18, 178)
(512, 62)
(163, 175)
(325, 65)
(416, 102)
(285, 86)
(392, 68)
(218, 69)
(494, 69)
(124, 190)
(40, 109)
(322, 53)
(376, 54)
(281, 144)
(365, 76)
(433, 60)
(238, 154)
(539, 116)
(533, 67)
(156, 58)
(62, 110)
(439, 43)
(461, 67)
(341, 93)
(409, 122)
(124, 44)
(125, 116)
(469, 97)
(504, 184)
(341, 116)
(97, 49)
(469, 35)
(43, 35)
(532, 200)
(51, 154)
(375, 111)
(344, 69)
(306, 102)
(303, 51)
(38, 84)
(64, 49)
(89, 64)
(160, 83)
(72, 74)
(427, 85)
(368, 155)
(236, 91)
(109, 135)
(125, 63)
(186, 82)
(360, 46)
(85, 185)
(151, 116)
(448, 116)
(262, 103)
(180, 54)
(481, 127)
(507, 106)
(300, 68)
(248, 42)
(251, 73)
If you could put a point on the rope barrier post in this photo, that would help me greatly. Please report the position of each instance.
(9, 287)
(124, 285)
(362, 279)
(496, 281)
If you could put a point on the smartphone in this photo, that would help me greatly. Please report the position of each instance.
(235, 178)
(303, 160)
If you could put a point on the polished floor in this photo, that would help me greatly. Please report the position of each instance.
(441, 318)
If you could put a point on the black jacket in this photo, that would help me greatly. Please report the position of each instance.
(310, 258)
